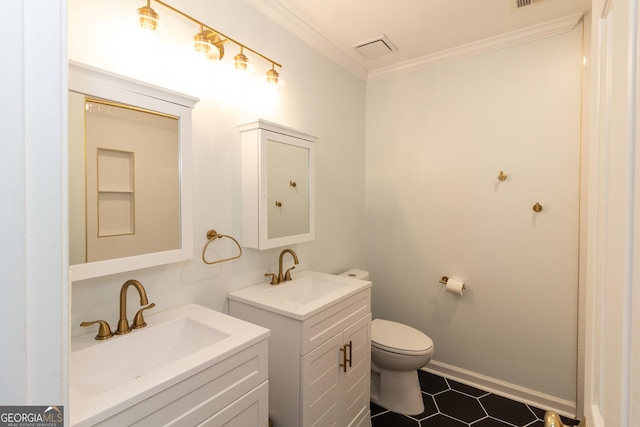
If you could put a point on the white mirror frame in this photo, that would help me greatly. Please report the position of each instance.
(102, 84)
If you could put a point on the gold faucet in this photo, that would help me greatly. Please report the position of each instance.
(123, 323)
(287, 275)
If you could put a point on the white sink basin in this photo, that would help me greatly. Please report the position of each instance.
(308, 293)
(106, 376)
(98, 368)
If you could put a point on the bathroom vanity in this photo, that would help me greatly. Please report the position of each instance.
(319, 350)
(189, 366)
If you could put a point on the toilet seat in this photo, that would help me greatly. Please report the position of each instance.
(399, 338)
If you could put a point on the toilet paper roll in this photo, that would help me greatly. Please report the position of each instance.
(455, 286)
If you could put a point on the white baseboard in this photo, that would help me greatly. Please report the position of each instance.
(503, 388)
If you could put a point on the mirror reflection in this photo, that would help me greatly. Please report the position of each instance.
(288, 190)
(124, 180)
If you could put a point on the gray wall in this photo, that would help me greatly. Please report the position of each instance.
(436, 142)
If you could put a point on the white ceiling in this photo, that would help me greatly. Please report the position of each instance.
(420, 29)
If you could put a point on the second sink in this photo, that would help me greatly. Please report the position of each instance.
(306, 294)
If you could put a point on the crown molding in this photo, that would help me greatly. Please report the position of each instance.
(534, 32)
(291, 21)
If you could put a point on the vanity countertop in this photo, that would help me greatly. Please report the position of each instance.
(308, 293)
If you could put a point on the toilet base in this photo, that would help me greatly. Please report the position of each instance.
(397, 391)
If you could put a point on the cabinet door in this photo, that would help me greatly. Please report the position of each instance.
(355, 382)
(320, 385)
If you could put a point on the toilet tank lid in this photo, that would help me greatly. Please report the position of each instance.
(356, 273)
(399, 336)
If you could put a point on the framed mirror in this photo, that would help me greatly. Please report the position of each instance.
(277, 185)
(130, 197)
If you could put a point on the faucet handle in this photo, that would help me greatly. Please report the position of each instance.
(287, 275)
(138, 320)
(104, 332)
(274, 278)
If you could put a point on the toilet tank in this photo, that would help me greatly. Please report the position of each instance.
(356, 274)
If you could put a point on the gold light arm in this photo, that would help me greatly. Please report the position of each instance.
(202, 24)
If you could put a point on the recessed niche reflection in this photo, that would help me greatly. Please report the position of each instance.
(125, 191)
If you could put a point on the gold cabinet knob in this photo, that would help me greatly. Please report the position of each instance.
(502, 176)
(537, 207)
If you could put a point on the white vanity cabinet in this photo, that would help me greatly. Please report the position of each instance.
(309, 384)
(190, 366)
(277, 185)
(232, 393)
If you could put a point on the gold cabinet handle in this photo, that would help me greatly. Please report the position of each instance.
(346, 359)
(537, 207)
(343, 365)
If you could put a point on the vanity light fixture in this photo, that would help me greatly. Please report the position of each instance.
(209, 44)
(272, 77)
(208, 41)
(148, 17)
(240, 60)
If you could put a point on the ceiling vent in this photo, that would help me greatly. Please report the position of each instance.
(524, 3)
(376, 47)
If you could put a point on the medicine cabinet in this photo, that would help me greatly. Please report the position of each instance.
(277, 185)
(130, 201)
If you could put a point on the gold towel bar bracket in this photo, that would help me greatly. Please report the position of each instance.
(213, 235)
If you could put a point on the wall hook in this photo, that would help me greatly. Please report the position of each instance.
(537, 207)
(502, 176)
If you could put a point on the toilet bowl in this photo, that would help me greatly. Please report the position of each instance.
(397, 352)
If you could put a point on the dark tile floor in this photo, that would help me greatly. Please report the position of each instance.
(451, 404)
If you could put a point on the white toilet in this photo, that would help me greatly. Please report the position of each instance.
(397, 352)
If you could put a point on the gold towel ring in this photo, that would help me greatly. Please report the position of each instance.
(213, 235)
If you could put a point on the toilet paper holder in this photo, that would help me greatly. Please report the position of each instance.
(445, 280)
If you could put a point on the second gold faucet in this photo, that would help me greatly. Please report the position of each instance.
(287, 275)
